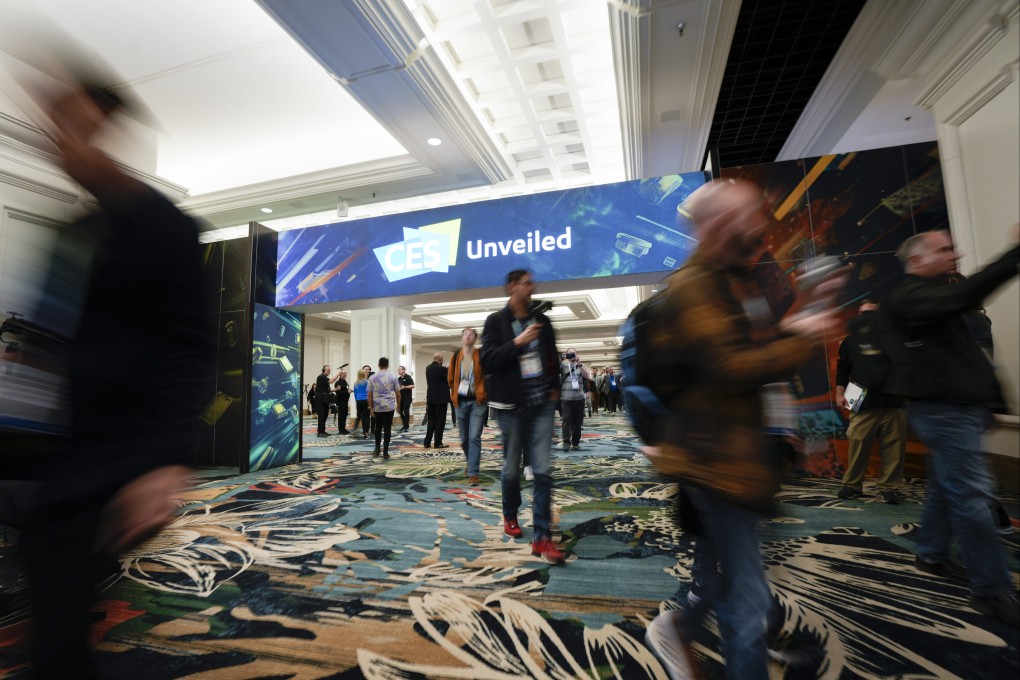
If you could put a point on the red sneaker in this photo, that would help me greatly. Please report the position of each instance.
(512, 528)
(547, 550)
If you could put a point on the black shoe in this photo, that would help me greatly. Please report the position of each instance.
(576, 447)
(892, 497)
(375, 452)
(848, 493)
(345, 431)
(386, 456)
(1004, 607)
(442, 446)
(427, 445)
(948, 569)
(321, 434)
(566, 447)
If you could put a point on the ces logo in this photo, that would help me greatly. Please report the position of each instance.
(432, 248)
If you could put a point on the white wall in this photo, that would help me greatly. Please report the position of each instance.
(978, 119)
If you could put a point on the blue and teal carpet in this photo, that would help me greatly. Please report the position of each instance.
(348, 566)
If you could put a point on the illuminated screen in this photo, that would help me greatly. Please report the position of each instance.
(607, 230)
(275, 389)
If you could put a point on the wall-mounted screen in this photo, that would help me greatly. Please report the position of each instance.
(276, 397)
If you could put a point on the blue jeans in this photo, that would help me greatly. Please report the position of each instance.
(960, 496)
(737, 591)
(472, 417)
(528, 430)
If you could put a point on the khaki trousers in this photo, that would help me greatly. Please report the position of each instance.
(889, 425)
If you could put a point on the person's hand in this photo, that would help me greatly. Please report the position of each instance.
(844, 403)
(529, 335)
(141, 508)
(815, 326)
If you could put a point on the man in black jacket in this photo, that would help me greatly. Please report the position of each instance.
(522, 380)
(342, 390)
(406, 387)
(950, 384)
(862, 361)
(437, 397)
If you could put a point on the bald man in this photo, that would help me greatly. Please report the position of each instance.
(436, 398)
(950, 384)
(720, 452)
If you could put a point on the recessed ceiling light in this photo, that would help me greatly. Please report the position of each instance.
(434, 141)
(267, 210)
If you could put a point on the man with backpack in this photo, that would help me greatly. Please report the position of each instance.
(726, 348)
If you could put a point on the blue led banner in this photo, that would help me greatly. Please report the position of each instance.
(607, 230)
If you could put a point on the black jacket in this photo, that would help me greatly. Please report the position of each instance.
(863, 360)
(500, 356)
(934, 352)
(438, 389)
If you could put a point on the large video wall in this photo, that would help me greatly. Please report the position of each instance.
(857, 206)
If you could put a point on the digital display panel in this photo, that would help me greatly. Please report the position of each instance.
(276, 398)
(607, 230)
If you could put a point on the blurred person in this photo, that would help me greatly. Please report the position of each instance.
(862, 360)
(610, 390)
(383, 391)
(731, 351)
(951, 387)
(522, 380)
(129, 453)
(437, 396)
(587, 395)
(342, 390)
(362, 411)
(323, 390)
(406, 391)
(467, 392)
(573, 375)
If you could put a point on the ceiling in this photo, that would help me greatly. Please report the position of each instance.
(301, 108)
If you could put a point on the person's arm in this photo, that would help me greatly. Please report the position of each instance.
(449, 374)
(918, 302)
(371, 403)
(497, 353)
(584, 371)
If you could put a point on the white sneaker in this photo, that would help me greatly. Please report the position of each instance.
(529, 474)
(663, 638)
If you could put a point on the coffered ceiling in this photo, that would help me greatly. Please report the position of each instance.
(297, 106)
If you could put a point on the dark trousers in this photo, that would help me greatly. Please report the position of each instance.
(405, 408)
(363, 416)
(573, 416)
(322, 410)
(383, 427)
(341, 414)
(612, 399)
(437, 423)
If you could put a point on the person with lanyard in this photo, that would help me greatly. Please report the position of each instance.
(612, 390)
(521, 368)
(467, 392)
(406, 386)
(573, 375)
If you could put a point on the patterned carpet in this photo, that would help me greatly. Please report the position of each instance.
(347, 566)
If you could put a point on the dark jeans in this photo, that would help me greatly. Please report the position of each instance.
(437, 423)
(383, 425)
(573, 416)
(363, 416)
(405, 408)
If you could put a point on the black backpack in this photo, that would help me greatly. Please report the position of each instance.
(652, 373)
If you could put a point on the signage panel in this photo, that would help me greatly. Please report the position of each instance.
(607, 230)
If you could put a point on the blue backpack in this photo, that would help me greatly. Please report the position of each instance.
(652, 374)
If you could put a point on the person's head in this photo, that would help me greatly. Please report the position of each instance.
(468, 337)
(367, 368)
(343, 375)
(84, 109)
(571, 354)
(362, 374)
(401, 370)
(326, 369)
(519, 286)
(930, 254)
(730, 218)
(609, 370)
(437, 357)
(384, 363)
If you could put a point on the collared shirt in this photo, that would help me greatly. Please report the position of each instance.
(382, 391)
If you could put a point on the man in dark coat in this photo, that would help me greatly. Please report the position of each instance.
(437, 397)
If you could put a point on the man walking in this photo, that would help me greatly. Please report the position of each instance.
(382, 399)
(863, 363)
(437, 397)
(950, 385)
(467, 392)
(573, 375)
(730, 351)
(406, 387)
(522, 379)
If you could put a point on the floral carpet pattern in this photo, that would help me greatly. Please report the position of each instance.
(349, 566)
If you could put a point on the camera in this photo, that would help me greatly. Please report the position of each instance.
(570, 355)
